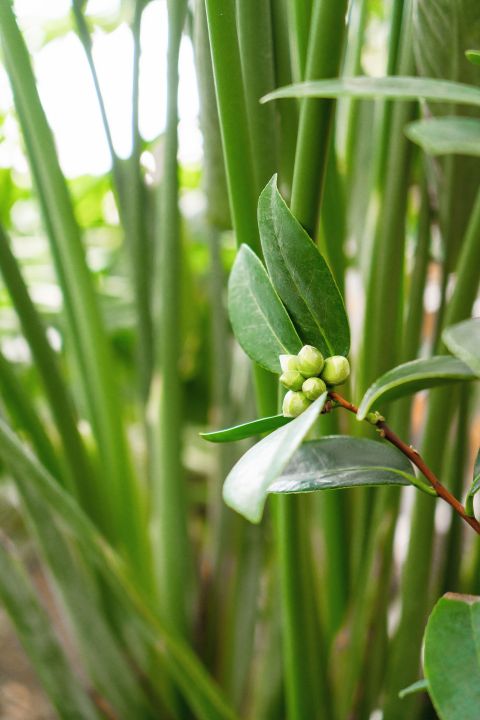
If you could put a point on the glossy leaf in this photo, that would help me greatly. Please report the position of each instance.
(452, 657)
(246, 430)
(446, 135)
(341, 461)
(301, 276)
(463, 340)
(474, 488)
(473, 56)
(413, 376)
(34, 627)
(246, 487)
(259, 320)
(388, 88)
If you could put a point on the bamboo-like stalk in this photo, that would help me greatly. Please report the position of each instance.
(406, 648)
(169, 491)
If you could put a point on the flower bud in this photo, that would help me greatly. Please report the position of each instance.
(294, 403)
(313, 387)
(292, 380)
(310, 361)
(336, 370)
(288, 363)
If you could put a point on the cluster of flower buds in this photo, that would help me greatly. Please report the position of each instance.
(308, 375)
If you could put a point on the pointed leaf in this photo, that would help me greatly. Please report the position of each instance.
(34, 628)
(452, 657)
(473, 56)
(446, 135)
(388, 88)
(246, 430)
(259, 320)
(246, 487)
(301, 276)
(341, 461)
(413, 376)
(463, 340)
(419, 686)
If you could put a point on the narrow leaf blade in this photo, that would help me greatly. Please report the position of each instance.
(419, 686)
(388, 88)
(246, 430)
(446, 135)
(413, 376)
(259, 320)
(341, 461)
(463, 340)
(475, 487)
(246, 487)
(452, 657)
(301, 276)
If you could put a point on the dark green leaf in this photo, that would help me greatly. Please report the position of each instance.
(475, 487)
(452, 657)
(413, 376)
(34, 628)
(419, 686)
(301, 276)
(259, 320)
(341, 461)
(246, 487)
(246, 430)
(389, 88)
(463, 340)
(446, 135)
(473, 56)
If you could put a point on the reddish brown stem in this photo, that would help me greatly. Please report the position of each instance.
(416, 459)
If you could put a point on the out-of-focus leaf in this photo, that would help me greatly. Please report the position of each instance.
(259, 320)
(419, 686)
(473, 56)
(388, 88)
(452, 657)
(414, 376)
(446, 136)
(301, 276)
(463, 340)
(475, 487)
(246, 487)
(37, 636)
(246, 430)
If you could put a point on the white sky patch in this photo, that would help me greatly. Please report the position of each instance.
(69, 99)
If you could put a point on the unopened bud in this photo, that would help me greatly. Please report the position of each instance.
(313, 387)
(288, 363)
(310, 361)
(292, 380)
(336, 370)
(294, 403)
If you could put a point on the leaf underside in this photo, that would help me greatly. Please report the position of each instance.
(446, 136)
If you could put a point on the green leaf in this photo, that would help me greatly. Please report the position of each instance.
(246, 487)
(259, 320)
(473, 56)
(413, 376)
(301, 276)
(341, 461)
(246, 430)
(463, 340)
(474, 488)
(446, 135)
(389, 88)
(34, 628)
(419, 686)
(452, 657)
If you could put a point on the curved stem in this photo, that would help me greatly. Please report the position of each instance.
(414, 457)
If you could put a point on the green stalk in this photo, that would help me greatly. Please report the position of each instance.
(169, 491)
(406, 648)
(86, 331)
(299, 14)
(323, 61)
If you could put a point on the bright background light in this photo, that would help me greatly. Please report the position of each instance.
(68, 96)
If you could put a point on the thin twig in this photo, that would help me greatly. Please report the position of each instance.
(414, 457)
